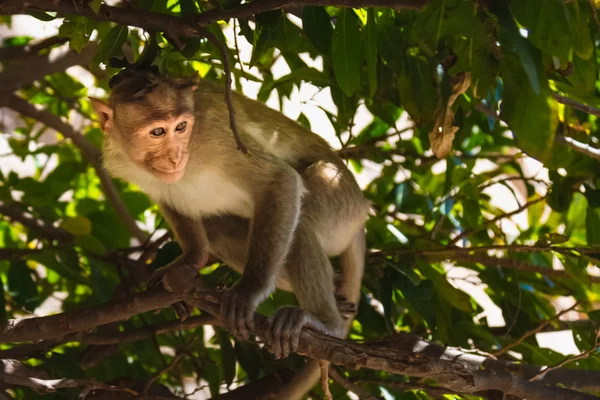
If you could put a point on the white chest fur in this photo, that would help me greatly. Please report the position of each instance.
(205, 193)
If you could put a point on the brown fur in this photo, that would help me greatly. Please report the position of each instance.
(276, 215)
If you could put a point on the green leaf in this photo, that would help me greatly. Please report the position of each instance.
(576, 268)
(227, 357)
(534, 130)
(78, 226)
(91, 244)
(78, 29)
(347, 52)
(297, 76)
(594, 315)
(510, 36)
(592, 225)
(579, 29)
(188, 7)
(547, 23)
(48, 259)
(2, 300)
(584, 75)
(103, 287)
(371, 50)
(317, 26)
(168, 253)
(264, 34)
(229, 5)
(249, 357)
(111, 44)
(95, 5)
(42, 16)
(21, 286)
(456, 297)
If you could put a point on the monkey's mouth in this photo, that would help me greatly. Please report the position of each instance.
(168, 177)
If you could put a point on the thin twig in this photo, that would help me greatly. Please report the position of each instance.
(362, 394)
(585, 354)
(534, 331)
(468, 232)
(515, 248)
(172, 364)
(512, 178)
(578, 146)
(228, 83)
(576, 105)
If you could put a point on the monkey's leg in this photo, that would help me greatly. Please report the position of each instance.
(310, 275)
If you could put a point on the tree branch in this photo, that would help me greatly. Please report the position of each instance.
(16, 214)
(578, 146)
(410, 355)
(31, 48)
(518, 265)
(91, 153)
(50, 385)
(533, 331)
(37, 67)
(59, 325)
(185, 26)
(576, 105)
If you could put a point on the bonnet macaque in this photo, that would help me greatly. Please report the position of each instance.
(275, 215)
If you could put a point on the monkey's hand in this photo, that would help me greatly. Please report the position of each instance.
(178, 269)
(283, 328)
(237, 308)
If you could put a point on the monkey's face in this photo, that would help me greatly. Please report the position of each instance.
(156, 139)
(161, 147)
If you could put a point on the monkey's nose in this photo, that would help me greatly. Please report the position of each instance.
(175, 157)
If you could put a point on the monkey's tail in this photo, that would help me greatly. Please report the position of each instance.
(352, 263)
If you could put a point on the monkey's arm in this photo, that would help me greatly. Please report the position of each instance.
(276, 214)
(192, 239)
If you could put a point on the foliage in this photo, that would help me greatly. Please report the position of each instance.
(397, 64)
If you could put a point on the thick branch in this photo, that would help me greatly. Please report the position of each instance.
(409, 355)
(450, 373)
(59, 325)
(186, 27)
(91, 153)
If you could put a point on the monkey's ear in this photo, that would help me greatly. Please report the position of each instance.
(104, 112)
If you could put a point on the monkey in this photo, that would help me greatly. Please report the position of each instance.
(276, 215)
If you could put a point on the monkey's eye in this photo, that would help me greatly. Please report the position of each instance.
(157, 132)
(181, 126)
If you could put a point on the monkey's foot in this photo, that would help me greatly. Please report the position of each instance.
(347, 309)
(237, 310)
(282, 330)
